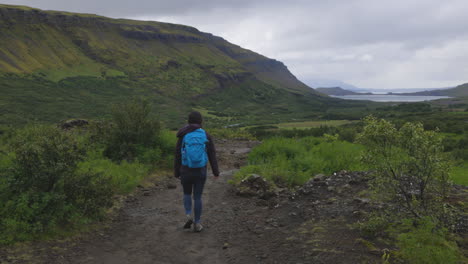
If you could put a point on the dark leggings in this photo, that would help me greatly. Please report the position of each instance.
(193, 180)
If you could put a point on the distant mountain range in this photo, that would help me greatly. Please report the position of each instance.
(337, 91)
(329, 83)
(459, 91)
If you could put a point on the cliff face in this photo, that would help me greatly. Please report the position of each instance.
(175, 61)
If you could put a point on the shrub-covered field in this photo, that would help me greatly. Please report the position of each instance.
(53, 180)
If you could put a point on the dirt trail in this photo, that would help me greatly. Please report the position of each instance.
(149, 227)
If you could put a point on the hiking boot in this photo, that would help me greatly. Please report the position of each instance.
(189, 222)
(197, 227)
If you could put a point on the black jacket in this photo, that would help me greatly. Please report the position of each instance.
(211, 151)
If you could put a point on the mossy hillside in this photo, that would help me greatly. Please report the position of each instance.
(36, 40)
(50, 42)
(57, 65)
(459, 91)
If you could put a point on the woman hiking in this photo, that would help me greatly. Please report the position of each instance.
(194, 149)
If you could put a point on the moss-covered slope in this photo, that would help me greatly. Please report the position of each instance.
(55, 65)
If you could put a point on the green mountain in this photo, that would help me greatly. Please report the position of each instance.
(59, 65)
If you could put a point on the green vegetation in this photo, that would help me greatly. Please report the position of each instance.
(422, 242)
(227, 133)
(123, 177)
(53, 180)
(459, 174)
(290, 162)
(408, 163)
(132, 131)
(411, 178)
(42, 189)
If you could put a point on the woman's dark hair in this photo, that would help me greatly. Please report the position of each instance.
(195, 118)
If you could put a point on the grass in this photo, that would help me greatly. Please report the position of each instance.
(459, 174)
(124, 177)
(292, 162)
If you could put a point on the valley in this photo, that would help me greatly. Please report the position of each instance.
(90, 106)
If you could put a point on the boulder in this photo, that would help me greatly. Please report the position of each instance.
(256, 185)
(70, 124)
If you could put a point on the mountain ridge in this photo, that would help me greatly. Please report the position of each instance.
(458, 91)
(130, 29)
(337, 91)
(83, 57)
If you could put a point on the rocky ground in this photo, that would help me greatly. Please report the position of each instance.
(253, 224)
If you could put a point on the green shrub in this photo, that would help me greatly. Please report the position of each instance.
(290, 162)
(132, 129)
(375, 225)
(41, 189)
(410, 167)
(423, 242)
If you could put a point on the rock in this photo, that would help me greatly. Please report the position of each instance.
(319, 177)
(146, 193)
(331, 188)
(69, 124)
(171, 186)
(293, 196)
(358, 214)
(256, 185)
(225, 245)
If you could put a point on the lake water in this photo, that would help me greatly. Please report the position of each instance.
(390, 98)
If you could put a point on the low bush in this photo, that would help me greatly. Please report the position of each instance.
(41, 188)
(132, 129)
(409, 165)
(375, 225)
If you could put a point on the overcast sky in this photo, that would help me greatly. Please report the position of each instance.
(367, 43)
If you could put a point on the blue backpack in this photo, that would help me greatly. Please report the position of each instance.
(194, 149)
